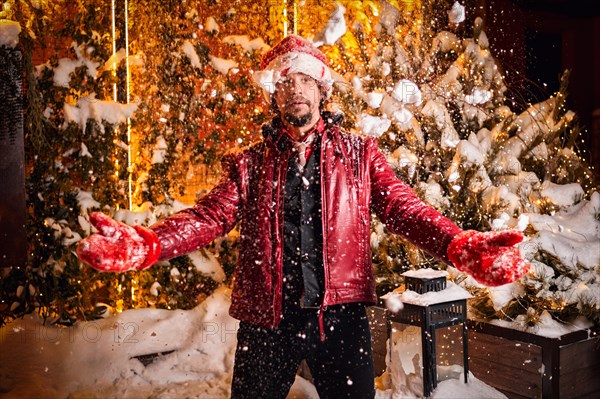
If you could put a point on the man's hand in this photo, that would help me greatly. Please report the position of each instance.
(118, 247)
(490, 257)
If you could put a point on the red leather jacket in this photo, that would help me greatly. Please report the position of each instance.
(355, 180)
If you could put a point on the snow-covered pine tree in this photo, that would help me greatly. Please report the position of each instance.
(195, 93)
(427, 86)
(72, 154)
(189, 104)
(196, 101)
(435, 96)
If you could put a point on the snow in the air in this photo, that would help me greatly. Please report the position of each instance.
(189, 353)
(456, 14)
(335, 27)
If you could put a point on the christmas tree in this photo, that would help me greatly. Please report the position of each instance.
(133, 120)
(436, 99)
(124, 127)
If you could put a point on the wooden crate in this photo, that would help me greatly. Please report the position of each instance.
(524, 365)
(519, 364)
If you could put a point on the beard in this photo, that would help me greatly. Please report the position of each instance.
(294, 119)
(297, 120)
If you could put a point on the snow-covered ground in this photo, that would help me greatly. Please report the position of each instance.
(106, 358)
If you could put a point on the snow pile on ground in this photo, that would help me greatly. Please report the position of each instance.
(403, 377)
(188, 353)
(145, 353)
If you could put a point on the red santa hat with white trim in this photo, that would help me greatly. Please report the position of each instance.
(293, 54)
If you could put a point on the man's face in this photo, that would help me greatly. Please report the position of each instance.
(298, 97)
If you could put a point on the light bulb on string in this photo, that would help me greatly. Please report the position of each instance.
(284, 18)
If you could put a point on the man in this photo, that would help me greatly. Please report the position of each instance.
(304, 196)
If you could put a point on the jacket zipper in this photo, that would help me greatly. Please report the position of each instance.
(324, 228)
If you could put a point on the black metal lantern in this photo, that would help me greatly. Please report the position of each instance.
(447, 307)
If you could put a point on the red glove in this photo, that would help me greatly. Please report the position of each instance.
(490, 257)
(118, 247)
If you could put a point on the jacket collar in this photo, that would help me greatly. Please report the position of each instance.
(275, 133)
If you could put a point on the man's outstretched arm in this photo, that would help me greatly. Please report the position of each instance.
(491, 257)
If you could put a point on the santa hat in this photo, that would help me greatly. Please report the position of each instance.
(293, 54)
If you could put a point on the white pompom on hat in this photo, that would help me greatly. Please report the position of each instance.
(293, 54)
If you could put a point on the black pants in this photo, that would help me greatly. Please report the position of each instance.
(266, 360)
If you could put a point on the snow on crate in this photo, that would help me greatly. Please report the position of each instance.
(546, 327)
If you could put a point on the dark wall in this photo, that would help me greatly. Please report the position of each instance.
(535, 41)
(12, 161)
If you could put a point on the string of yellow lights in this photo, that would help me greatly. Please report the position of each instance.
(127, 95)
(120, 302)
(295, 17)
(128, 98)
(114, 46)
(285, 19)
